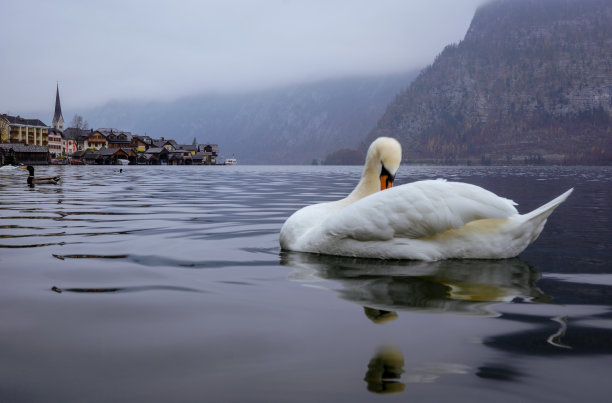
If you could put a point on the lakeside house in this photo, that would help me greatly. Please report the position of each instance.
(140, 143)
(95, 141)
(30, 141)
(54, 142)
(24, 141)
(73, 140)
(18, 130)
(169, 145)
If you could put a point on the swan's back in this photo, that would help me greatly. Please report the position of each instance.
(417, 210)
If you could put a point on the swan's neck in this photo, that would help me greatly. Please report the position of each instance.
(368, 184)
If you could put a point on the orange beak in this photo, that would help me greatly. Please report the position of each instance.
(386, 182)
(386, 179)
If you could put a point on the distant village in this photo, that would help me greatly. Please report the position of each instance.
(31, 142)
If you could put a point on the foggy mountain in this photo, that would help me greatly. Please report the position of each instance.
(290, 125)
(531, 82)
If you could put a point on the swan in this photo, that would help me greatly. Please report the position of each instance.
(426, 220)
(40, 179)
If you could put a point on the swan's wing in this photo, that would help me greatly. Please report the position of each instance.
(416, 210)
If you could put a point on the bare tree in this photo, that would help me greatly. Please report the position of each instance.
(79, 123)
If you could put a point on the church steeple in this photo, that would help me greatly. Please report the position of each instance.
(58, 119)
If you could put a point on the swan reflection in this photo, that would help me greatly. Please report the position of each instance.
(466, 287)
(385, 371)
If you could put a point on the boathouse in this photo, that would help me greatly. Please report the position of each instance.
(110, 156)
(210, 152)
(104, 156)
(147, 159)
(14, 154)
(158, 155)
(179, 157)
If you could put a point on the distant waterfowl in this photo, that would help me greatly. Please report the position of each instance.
(7, 167)
(32, 180)
(426, 220)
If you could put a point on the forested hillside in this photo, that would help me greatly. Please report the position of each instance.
(530, 83)
(291, 125)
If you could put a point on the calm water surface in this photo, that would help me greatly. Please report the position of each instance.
(164, 284)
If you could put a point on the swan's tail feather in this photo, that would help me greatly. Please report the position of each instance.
(544, 211)
(533, 222)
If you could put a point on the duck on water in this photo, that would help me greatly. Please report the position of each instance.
(32, 180)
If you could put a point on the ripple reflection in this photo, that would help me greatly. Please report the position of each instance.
(81, 290)
(464, 287)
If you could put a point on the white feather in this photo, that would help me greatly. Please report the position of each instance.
(426, 220)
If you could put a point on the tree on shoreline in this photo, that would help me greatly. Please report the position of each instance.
(79, 123)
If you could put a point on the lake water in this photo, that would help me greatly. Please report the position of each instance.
(167, 284)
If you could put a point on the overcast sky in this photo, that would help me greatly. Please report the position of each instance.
(151, 50)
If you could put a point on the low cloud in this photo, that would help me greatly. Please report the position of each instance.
(164, 50)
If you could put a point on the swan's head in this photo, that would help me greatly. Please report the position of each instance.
(384, 157)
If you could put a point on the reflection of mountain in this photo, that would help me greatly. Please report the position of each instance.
(466, 287)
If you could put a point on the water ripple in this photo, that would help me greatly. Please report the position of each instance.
(218, 217)
(125, 289)
(158, 260)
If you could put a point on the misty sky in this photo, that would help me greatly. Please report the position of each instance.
(105, 50)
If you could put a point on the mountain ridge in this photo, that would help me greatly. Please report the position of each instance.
(289, 125)
(531, 82)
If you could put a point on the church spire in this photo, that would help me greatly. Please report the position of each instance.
(58, 119)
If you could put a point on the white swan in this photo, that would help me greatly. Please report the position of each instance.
(427, 220)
